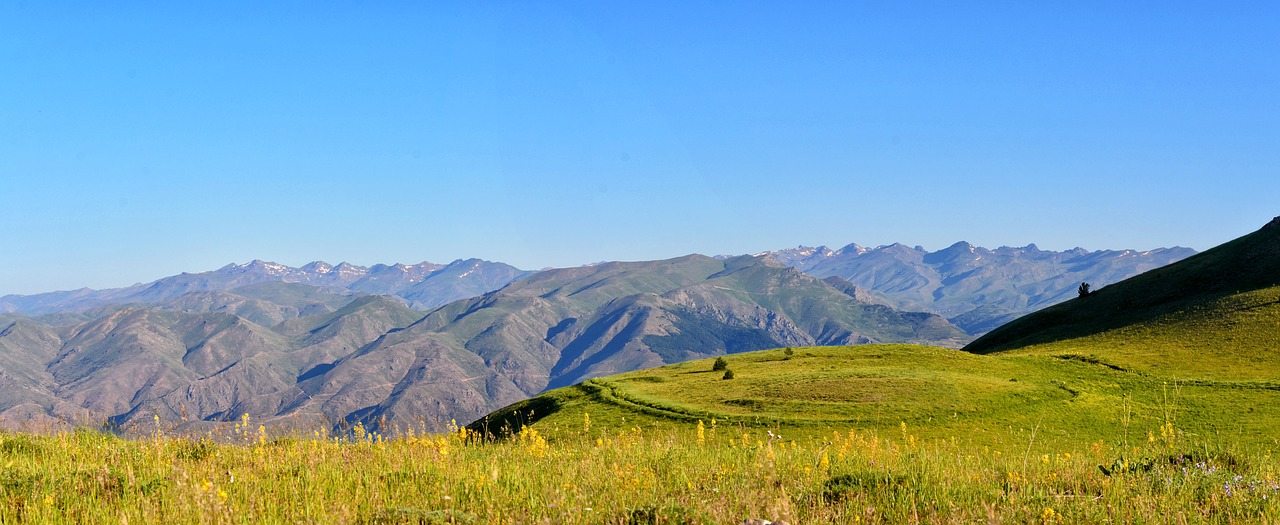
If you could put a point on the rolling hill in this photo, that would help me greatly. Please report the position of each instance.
(1005, 402)
(1214, 315)
(1194, 345)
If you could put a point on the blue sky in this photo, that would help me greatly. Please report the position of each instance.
(155, 138)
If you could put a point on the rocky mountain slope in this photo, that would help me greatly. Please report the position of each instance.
(976, 288)
(558, 327)
(292, 353)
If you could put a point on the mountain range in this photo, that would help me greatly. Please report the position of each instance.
(428, 343)
(298, 354)
(421, 286)
(976, 288)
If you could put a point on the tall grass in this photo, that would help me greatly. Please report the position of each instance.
(703, 472)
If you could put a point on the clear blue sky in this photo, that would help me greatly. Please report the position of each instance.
(161, 137)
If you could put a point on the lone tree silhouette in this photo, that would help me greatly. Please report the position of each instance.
(1084, 289)
(719, 365)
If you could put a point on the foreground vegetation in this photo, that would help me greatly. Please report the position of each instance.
(703, 472)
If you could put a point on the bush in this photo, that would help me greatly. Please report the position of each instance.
(719, 365)
(788, 353)
(728, 374)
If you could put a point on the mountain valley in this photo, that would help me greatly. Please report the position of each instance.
(428, 343)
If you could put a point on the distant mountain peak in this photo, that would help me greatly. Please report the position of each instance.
(318, 267)
(852, 248)
(978, 286)
(348, 268)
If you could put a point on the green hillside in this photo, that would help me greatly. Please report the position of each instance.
(997, 401)
(1215, 315)
(1192, 346)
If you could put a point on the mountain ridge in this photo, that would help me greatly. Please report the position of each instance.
(290, 352)
(423, 286)
(1228, 294)
(975, 287)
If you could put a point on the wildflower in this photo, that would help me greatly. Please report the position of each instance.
(586, 423)
(702, 436)
(1048, 514)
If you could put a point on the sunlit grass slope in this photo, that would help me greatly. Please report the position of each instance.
(1008, 402)
(689, 474)
(1215, 316)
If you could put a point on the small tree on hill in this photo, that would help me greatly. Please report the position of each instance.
(788, 353)
(728, 374)
(719, 365)
(1084, 289)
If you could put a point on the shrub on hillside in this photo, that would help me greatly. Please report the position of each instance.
(719, 365)
(728, 374)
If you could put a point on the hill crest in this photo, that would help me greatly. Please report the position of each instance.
(1213, 313)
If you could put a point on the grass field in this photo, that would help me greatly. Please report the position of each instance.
(1066, 399)
(672, 473)
(1232, 338)
(864, 434)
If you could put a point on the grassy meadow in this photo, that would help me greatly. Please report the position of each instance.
(866, 434)
(649, 473)
(1065, 399)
